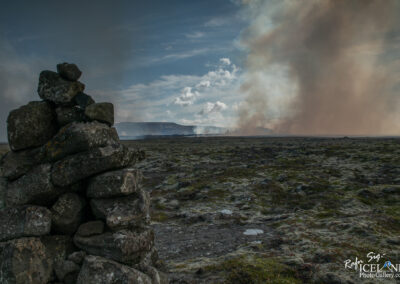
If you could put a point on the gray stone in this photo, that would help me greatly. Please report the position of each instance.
(24, 221)
(69, 71)
(83, 100)
(58, 247)
(67, 271)
(103, 112)
(91, 228)
(16, 164)
(122, 212)
(3, 192)
(24, 261)
(67, 213)
(96, 270)
(31, 125)
(125, 246)
(77, 257)
(114, 184)
(52, 87)
(33, 188)
(83, 165)
(79, 137)
(66, 115)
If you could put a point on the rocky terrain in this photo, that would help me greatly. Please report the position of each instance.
(72, 209)
(272, 210)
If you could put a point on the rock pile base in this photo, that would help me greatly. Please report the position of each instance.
(71, 206)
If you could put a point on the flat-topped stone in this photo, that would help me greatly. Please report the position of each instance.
(67, 213)
(31, 125)
(122, 212)
(52, 87)
(24, 221)
(114, 184)
(103, 112)
(125, 246)
(68, 114)
(80, 166)
(79, 137)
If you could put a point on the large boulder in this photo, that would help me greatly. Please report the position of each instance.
(33, 188)
(122, 212)
(114, 184)
(67, 213)
(52, 87)
(24, 221)
(66, 115)
(96, 270)
(69, 71)
(125, 246)
(31, 125)
(79, 137)
(83, 165)
(24, 261)
(103, 112)
(16, 164)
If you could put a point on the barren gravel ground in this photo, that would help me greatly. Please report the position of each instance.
(273, 210)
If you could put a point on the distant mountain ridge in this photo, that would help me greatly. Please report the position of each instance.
(131, 130)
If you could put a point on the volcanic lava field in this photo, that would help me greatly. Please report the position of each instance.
(271, 210)
(284, 210)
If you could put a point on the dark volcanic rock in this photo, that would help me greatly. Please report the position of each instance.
(24, 221)
(83, 100)
(52, 87)
(69, 71)
(24, 261)
(58, 247)
(67, 271)
(100, 270)
(30, 125)
(77, 256)
(16, 164)
(79, 137)
(91, 228)
(103, 112)
(67, 213)
(122, 212)
(66, 115)
(33, 188)
(124, 246)
(83, 165)
(114, 184)
(3, 192)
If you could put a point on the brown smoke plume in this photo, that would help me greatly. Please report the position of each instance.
(343, 58)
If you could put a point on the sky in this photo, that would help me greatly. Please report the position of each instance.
(240, 64)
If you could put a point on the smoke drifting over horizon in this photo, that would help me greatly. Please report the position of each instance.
(341, 58)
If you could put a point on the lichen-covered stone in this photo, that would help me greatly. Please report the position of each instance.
(69, 71)
(103, 112)
(77, 167)
(79, 137)
(125, 246)
(67, 271)
(58, 247)
(77, 257)
(97, 269)
(24, 221)
(91, 228)
(33, 188)
(66, 115)
(3, 191)
(16, 164)
(24, 261)
(67, 213)
(83, 100)
(114, 184)
(52, 87)
(122, 212)
(31, 125)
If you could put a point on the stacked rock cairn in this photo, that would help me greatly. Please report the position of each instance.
(72, 208)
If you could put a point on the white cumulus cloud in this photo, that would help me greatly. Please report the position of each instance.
(213, 107)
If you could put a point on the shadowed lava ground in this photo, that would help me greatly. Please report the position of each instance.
(314, 203)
